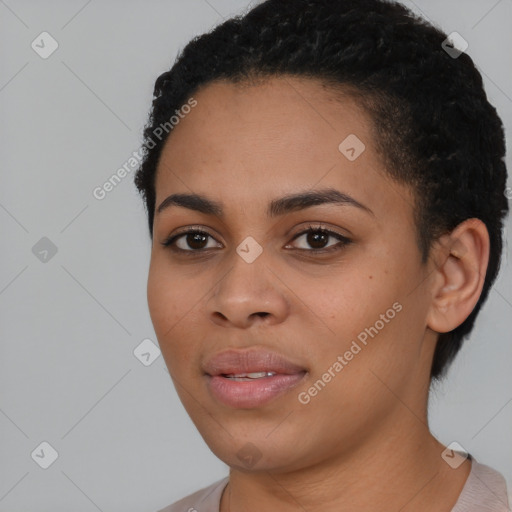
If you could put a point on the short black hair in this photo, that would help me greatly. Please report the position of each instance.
(432, 123)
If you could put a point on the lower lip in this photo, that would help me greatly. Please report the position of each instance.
(251, 394)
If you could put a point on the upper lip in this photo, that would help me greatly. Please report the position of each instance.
(249, 361)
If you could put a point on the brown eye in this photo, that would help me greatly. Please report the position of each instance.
(194, 240)
(317, 238)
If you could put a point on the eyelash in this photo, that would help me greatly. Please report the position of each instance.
(344, 241)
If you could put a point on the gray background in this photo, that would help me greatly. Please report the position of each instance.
(69, 326)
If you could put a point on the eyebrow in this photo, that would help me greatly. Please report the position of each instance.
(277, 207)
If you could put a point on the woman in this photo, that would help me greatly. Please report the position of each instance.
(325, 192)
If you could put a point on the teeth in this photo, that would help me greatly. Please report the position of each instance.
(248, 376)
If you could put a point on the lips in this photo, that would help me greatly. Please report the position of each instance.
(251, 379)
(236, 362)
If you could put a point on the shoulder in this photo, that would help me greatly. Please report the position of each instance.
(485, 491)
(204, 500)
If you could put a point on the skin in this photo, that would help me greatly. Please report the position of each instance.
(363, 440)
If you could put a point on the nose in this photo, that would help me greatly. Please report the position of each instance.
(247, 294)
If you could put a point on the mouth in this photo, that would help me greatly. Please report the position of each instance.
(250, 379)
(251, 392)
(247, 377)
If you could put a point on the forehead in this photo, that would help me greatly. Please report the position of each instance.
(276, 107)
(270, 138)
(264, 122)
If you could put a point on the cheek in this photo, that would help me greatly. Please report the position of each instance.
(173, 305)
(346, 301)
(365, 308)
(380, 339)
(162, 295)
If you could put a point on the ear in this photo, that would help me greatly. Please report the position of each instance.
(461, 263)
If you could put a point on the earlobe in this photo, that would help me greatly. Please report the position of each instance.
(462, 257)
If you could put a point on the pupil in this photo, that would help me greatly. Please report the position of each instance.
(314, 238)
(196, 238)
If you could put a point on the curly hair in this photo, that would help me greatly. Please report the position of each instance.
(431, 121)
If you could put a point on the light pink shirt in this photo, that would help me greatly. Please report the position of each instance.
(485, 490)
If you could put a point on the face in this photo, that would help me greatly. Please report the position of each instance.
(343, 304)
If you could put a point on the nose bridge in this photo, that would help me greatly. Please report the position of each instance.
(248, 268)
(248, 287)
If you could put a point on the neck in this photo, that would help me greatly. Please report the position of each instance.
(404, 472)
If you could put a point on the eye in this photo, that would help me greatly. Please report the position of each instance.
(317, 237)
(196, 240)
(193, 237)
